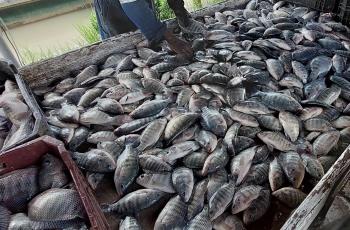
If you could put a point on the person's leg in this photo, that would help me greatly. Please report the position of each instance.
(182, 15)
(140, 13)
(111, 18)
(101, 26)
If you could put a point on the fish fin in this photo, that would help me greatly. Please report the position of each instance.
(105, 208)
(270, 147)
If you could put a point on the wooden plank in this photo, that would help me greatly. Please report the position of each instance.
(43, 73)
(308, 210)
(47, 71)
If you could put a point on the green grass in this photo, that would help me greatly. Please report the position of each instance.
(29, 56)
(89, 33)
(163, 10)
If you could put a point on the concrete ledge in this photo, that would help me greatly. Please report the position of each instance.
(20, 12)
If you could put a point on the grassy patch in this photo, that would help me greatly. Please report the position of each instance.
(29, 56)
(89, 33)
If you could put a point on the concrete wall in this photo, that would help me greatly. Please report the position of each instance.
(23, 11)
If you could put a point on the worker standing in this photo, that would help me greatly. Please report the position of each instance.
(113, 15)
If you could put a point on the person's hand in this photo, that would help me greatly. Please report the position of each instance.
(178, 45)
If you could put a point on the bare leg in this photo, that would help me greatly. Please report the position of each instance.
(182, 15)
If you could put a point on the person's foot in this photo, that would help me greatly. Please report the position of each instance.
(178, 45)
(193, 27)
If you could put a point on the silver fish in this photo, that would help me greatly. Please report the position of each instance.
(159, 181)
(95, 160)
(221, 199)
(127, 168)
(51, 174)
(56, 206)
(135, 202)
(183, 181)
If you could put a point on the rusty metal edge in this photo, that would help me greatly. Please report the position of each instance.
(95, 215)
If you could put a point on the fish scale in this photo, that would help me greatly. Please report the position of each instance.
(290, 124)
(134, 125)
(159, 181)
(325, 142)
(195, 160)
(94, 160)
(221, 199)
(289, 196)
(258, 174)
(178, 124)
(183, 181)
(317, 124)
(52, 173)
(126, 169)
(154, 163)
(257, 208)
(276, 140)
(201, 221)
(55, 207)
(129, 223)
(196, 203)
(312, 166)
(276, 175)
(244, 197)
(244, 119)
(5, 217)
(172, 215)
(135, 201)
(17, 187)
(293, 167)
(152, 133)
(216, 160)
(216, 180)
(207, 140)
(214, 121)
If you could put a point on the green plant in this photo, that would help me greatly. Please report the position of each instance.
(163, 9)
(197, 4)
(89, 33)
(29, 56)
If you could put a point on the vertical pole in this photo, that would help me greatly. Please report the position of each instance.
(6, 52)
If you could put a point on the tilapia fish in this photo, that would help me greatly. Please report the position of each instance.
(16, 118)
(56, 208)
(260, 112)
(17, 187)
(52, 173)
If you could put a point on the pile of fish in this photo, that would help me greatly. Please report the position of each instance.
(258, 117)
(16, 121)
(40, 197)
